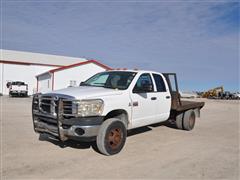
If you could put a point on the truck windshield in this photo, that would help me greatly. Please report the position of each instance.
(112, 79)
(18, 83)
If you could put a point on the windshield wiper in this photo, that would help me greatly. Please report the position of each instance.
(109, 87)
(84, 84)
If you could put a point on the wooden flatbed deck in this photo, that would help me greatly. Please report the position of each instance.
(186, 105)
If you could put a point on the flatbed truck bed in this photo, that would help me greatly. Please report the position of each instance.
(186, 105)
(180, 107)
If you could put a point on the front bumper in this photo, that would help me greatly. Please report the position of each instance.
(82, 128)
(18, 92)
(53, 115)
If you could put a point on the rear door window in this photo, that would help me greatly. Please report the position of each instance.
(159, 83)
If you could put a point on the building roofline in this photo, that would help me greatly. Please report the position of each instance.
(75, 65)
(27, 63)
(80, 64)
(47, 72)
(33, 57)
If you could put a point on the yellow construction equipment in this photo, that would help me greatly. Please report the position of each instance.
(213, 93)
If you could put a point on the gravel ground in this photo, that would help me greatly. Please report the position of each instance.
(210, 151)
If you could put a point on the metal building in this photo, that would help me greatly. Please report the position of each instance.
(25, 66)
(67, 76)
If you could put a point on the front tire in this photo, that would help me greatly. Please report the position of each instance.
(111, 137)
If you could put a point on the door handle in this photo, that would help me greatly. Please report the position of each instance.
(153, 98)
(167, 97)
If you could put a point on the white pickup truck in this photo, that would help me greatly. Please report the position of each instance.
(108, 104)
(17, 88)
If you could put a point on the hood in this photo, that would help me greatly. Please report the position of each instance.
(85, 92)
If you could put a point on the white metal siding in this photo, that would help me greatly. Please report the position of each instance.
(79, 73)
(45, 83)
(1, 78)
(23, 73)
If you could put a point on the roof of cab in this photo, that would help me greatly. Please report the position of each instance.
(135, 70)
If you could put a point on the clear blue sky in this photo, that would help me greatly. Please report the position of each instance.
(198, 41)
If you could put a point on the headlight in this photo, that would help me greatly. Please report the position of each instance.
(89, 107)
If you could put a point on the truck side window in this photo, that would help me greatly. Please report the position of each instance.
(159, 83)
(143, 79)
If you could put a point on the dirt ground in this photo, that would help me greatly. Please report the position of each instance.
(210, 151)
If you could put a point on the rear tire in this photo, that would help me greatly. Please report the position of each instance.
(189, 120)
(111, 136)
(179, 121)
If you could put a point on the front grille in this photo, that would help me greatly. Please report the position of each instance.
(47, 106)
(67, 107)
(47, 120)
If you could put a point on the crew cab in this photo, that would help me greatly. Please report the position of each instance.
(17, 88)
(107, 105)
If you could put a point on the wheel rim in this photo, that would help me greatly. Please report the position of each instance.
(191, 120)
(114, 138)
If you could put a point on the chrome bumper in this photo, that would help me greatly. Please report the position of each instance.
(18, 92)
(54, 121)
(64, 134)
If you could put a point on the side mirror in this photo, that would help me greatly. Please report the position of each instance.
(8, 84)
(82, 83)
